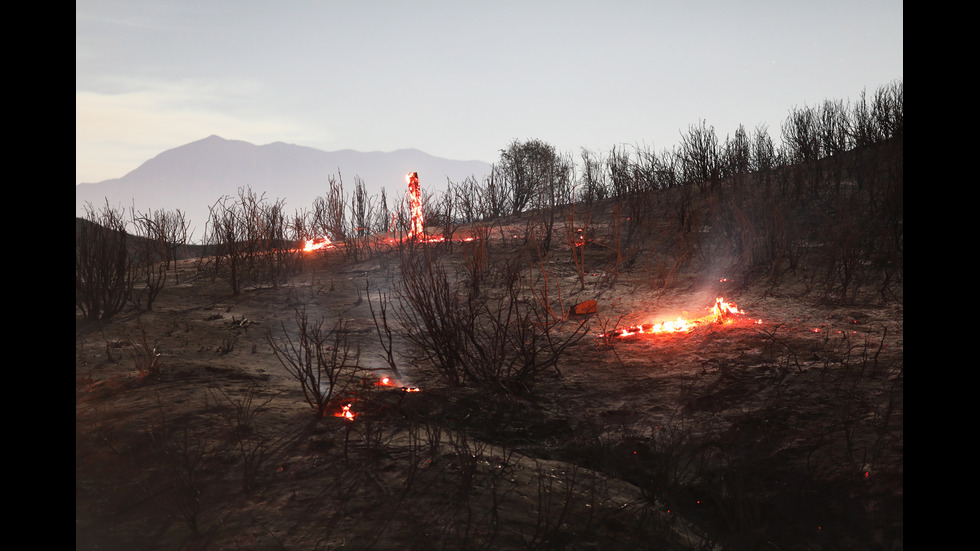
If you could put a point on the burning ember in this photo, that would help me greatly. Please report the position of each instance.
(344, 409)
(388, 382)
(721, 312)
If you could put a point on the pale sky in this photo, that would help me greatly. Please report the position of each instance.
(460, 79)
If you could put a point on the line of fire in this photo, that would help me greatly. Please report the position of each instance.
(721, 313)
(416, 223)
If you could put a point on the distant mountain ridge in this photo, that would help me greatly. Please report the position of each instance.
(192, 177)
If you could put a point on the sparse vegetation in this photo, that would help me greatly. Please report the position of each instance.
(103, 265)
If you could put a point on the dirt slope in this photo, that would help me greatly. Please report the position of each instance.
(783, 428)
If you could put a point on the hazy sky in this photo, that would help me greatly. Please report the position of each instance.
(460, 79)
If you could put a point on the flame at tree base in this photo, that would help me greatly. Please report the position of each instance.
(721, 312)
(415, 232)
(345, 408)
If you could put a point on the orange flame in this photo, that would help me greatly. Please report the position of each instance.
(417, 229)
(724, 309)
(721, 312)
(345, 412)
(317, 243)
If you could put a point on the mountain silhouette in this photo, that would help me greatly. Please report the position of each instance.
(194, 176)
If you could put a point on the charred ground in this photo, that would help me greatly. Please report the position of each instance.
(781, 430)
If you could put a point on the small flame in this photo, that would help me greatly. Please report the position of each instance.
(724, 309)
(345, 411)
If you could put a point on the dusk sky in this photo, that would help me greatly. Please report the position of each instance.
(460, 80)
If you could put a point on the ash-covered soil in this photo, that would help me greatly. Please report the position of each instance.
(780, 430)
